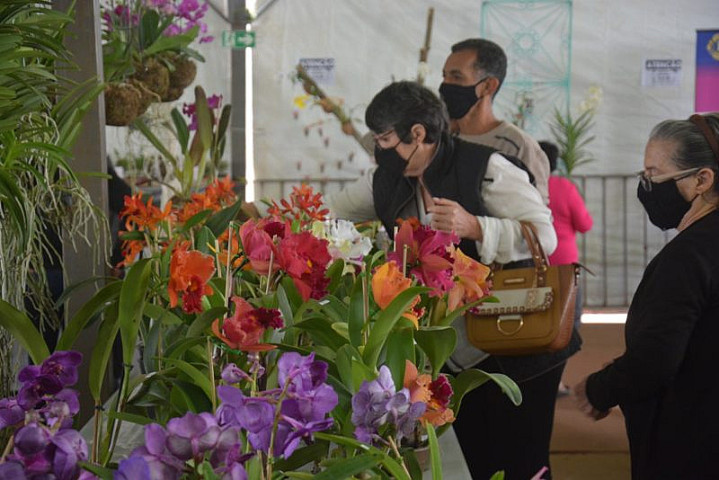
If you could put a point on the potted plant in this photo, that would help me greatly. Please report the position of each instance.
(146, 53)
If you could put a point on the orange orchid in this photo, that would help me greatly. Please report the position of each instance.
(303, 204)
(221, 192)
(436, 394)
(244, 329)
(228, 252)
(143, 216)
(470, 280)
(387, 283)
(190, 271)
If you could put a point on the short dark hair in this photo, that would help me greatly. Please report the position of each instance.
(489, 57)
(400, 105)
(552, 152)
(692, 147)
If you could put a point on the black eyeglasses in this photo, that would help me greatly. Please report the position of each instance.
(647, 181)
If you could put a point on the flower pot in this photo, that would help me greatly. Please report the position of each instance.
(122, 104)
(154, 75)
(423, 457)
(184, 72)
(147, 96)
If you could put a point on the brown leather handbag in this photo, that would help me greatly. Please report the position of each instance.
(535, 308)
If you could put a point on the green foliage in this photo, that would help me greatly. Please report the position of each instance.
(572, 135)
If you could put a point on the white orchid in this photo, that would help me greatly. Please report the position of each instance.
(345, 241)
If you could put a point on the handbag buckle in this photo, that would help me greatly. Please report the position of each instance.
(509, 318)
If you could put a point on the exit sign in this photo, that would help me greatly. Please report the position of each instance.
(238, 39)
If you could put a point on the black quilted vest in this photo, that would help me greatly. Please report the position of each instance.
(456, 173)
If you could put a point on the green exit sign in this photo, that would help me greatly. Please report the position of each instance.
(238, 39)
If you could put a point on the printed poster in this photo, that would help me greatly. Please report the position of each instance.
(706, 93)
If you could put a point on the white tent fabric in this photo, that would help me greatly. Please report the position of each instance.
(373, 42)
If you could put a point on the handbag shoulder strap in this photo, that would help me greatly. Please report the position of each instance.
(541, 262)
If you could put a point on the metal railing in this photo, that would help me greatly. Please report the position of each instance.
(617, 248)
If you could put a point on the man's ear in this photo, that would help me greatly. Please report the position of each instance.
(418, 132)
(489, 87)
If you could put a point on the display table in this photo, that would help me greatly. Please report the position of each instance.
(453, 465)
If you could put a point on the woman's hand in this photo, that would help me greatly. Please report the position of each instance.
(579, 393)
(450, 216)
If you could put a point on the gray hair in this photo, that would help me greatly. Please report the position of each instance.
(692, 147)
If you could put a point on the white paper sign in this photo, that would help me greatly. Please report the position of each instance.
(322, 70)
(662, 72)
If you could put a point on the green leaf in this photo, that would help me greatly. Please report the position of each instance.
(394, 468)
(321, 332)
(82, 317)
(161, 314)
(400, 348)
(152, 138)
(182, 132)
(436, 461)
(132, 299)
(219, 222)
(204, 240)
(386, 321)
(130, 417)
(102, 351)
(101, 472)
(438, 343)
(355, 317)
(470, 379)
(204, 320)
(198, 378)
(303, 456)
(498, 475)
(348, 467)
(23, 330)
(196, 219)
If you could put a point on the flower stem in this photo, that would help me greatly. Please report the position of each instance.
(96, 432)
(393, 444)
(8, 448)
(211, 366)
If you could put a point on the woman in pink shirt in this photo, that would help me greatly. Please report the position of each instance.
(569, 213)
(569, 216)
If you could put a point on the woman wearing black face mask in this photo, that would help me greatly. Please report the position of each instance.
(665, 381)
(453, 185)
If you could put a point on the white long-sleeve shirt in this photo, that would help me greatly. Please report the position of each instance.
(507, 195)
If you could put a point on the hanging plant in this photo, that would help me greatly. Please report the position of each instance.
(147, 45)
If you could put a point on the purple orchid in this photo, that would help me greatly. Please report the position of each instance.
(162, 463)
(378, 403)
(31, 440)
(253, 414)
(33, 390)
(67, 448)
(192, 435)
(63, 365)
(10, 412)
(234, 374)
(12, 470)
(134, 467)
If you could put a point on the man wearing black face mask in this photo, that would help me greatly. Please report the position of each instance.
(472, 76)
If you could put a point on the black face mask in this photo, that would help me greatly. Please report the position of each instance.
(390, 159)
(459, 99)
(664, 204)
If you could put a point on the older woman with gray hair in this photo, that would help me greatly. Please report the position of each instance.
(665, 382)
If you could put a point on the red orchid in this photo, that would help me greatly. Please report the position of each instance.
(258, 245)
(436, 394)
(190, 271)
(428, 255)
(305, 257)
(244, 329)
(470, 280)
